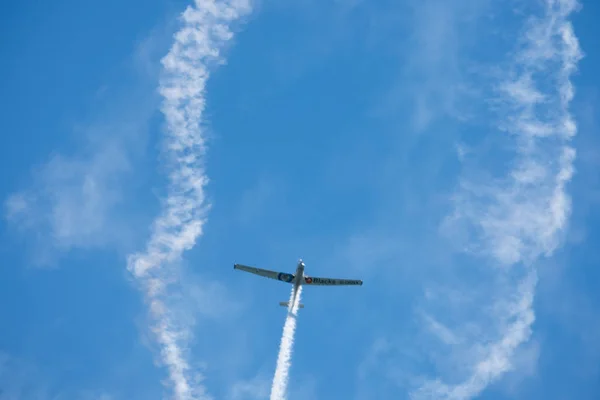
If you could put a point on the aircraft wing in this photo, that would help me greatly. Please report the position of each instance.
(279, 276)
(310, 280)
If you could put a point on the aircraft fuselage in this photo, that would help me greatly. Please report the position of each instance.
(299, 279)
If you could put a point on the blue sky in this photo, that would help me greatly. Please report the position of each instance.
(442, 151)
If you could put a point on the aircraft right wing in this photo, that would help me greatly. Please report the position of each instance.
(278, 276)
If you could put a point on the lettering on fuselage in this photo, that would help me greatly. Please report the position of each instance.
(327, 281)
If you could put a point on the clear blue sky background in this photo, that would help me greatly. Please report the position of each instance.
(416, 145)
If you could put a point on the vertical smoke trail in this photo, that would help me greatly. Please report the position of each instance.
(281, 377)
(206, 31)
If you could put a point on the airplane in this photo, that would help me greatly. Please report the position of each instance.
(298, 278)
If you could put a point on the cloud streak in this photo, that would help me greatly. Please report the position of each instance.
(197, 47)
(22, 379)
(517, 218)
(71, 198)
(77, 201)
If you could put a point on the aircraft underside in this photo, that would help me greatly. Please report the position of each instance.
(291, 278)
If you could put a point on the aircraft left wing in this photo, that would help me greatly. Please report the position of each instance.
(310, 280)
(279, 276)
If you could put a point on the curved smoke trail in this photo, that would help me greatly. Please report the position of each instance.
(197, 46)
(519, 218)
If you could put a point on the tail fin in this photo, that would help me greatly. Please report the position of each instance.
(286, 303)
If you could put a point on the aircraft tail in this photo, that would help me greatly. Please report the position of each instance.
(286, 303)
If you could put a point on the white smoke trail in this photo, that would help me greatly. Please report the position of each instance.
(521, 217)
(281, 377)
(197, 46)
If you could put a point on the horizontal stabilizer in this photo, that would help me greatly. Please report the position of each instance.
(286, 303)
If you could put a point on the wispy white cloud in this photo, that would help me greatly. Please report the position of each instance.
(433, 83)
(76, 201)
(441, 331)
(23, 380)
(197, 47)
(515, 219)
(79, 197)
(256, 388)
(304, 387)
(82, 199)
(255, 200)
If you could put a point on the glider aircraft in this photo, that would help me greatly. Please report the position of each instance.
(298, 278)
